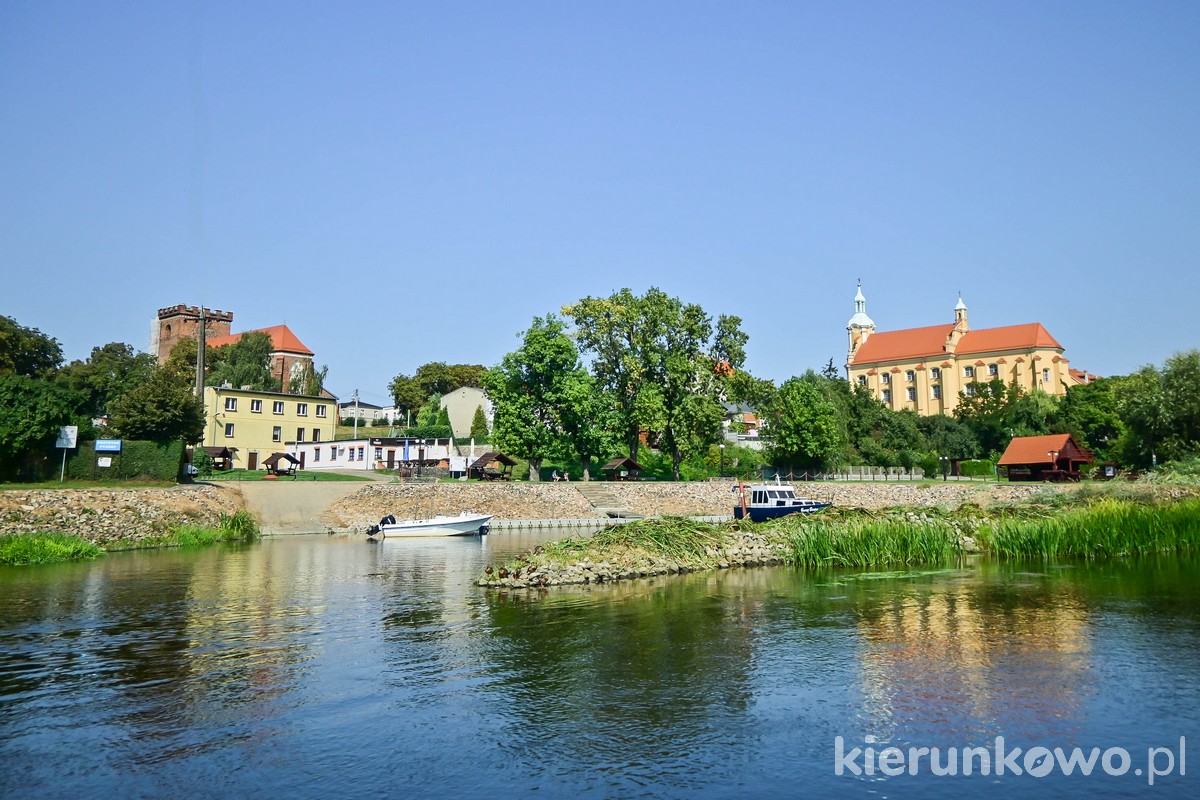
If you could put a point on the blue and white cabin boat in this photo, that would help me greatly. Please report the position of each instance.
(763, 501)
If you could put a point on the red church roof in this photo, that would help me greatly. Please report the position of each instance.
(282, 340)
(931, 341)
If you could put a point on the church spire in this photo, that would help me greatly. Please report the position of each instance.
(860, 318)
(960, 311)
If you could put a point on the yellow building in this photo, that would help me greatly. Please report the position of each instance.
(257, 424)
(925, 369)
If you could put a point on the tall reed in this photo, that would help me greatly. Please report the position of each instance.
(1106, 528)
(813, 543)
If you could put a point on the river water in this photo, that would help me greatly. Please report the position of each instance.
(320, 667)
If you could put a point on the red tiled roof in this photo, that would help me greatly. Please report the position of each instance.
(1010, 337)
(282, 340)
(923, 342)
(1037, 449)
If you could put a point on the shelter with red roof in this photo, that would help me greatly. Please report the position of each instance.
(926, 369)
(1037, 458)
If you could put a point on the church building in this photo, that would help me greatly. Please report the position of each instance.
(926, 369)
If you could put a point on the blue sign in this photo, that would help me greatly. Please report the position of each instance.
(108, 445)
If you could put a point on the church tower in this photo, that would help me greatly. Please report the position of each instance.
(860, 326)
(960, 325)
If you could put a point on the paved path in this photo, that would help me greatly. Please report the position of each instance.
(286, 506)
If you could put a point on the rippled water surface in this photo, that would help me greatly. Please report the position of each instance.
(320, 667)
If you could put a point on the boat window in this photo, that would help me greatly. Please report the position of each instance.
(772, 493)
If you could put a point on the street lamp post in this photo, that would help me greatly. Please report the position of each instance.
(722, 446)
(945, 466)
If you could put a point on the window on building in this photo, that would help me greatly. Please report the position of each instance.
(316, 454)
(935, 373)
(228, 430)
(256, 406)
(349, 453)
(968, 372)
(937, 392)
(301, 409)
(299, 434)
(993, 370)
(862, 380)
(910, 376)
(969, 390)
(885, 378)
(379, 454)
(887, 395)
(361, 453)
(321, 411)
(912, 393)
(231, 404)
(276, 434)
(316, 434)
(277, 407)
(1045, 376)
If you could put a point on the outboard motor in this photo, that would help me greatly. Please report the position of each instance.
(374, 529)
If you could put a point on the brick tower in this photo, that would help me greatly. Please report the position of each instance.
(183, 322)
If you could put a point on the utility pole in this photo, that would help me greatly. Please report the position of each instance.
(200, 345)
(356, 413)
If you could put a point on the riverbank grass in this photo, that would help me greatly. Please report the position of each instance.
(26, 549)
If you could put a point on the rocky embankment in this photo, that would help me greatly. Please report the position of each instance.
(105, 516)
(531, 501)
(518, 500)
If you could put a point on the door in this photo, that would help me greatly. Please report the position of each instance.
(302, 454)
(252, 460)
(391, 462)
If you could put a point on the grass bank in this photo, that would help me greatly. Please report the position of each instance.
(25, 549)
(1090, 525)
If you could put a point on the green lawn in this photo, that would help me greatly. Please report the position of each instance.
(302, 475)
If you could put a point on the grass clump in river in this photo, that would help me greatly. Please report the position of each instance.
(24, 549)
(868, 542)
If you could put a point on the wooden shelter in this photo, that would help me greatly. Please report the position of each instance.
(492, 466)
(281, 464)
(1055, 457)
(622, 469)
(222, 457)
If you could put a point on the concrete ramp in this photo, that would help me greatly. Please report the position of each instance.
(603, 500)
(294, 506)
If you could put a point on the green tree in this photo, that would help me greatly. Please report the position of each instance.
(947, 436)
(108, 372)
(1181, 385)
(407, 394)
(245, 362)
(532, 389)
(479, 425)
(308, 380)
(27, 351)
(428, 413)
(664, 362)
(1089, 413)
(161, 408)
(805, 428)
(31, 412)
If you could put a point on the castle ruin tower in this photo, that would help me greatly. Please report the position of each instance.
(183, 322)
(860, 326)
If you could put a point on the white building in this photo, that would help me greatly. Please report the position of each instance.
(370, 453)
(460, 406)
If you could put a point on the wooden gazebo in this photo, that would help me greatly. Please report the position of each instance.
(1055, 457)
(622, 469)
(281, 464)
(485, 467)
(222, 457)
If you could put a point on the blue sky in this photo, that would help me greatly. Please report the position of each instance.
(403, 182)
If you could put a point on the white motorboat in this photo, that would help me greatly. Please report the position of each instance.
(465, 524)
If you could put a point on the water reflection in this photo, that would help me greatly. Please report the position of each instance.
(309, 665)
